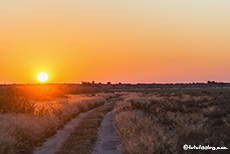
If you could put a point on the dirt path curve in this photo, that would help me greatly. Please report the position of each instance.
(52, 144)
(107, 140)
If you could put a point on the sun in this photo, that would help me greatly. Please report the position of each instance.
(42, 77)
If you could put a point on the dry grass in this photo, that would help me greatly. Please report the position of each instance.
(85, 133)
(21, 132)
(163, 123)
(107, 96)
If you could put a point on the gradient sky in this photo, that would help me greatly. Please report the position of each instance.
(115, 40)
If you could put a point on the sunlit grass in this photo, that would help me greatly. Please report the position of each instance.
(21, 132)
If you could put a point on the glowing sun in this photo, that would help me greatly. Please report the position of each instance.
(42, 77)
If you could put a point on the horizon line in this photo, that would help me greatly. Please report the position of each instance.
(105, 83)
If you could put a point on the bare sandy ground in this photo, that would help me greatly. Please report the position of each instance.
(107, 141)
(53, 143)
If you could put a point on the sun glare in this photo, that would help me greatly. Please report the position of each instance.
(42, 77)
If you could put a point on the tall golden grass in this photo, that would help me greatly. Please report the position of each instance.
(21, 132)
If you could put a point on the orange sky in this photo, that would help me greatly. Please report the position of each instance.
(118, 41)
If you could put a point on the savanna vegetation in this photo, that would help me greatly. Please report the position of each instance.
(155, 120)
(164, 120)
(29, 114)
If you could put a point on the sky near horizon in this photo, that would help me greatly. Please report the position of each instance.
(128, 41)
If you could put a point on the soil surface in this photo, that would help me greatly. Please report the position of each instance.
(107, 140)
(53, 143)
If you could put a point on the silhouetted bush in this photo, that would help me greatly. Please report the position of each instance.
(11, 100)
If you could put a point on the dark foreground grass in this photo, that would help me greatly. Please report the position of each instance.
(85, 133)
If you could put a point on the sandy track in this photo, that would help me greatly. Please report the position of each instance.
(53, 143)
(107, 138)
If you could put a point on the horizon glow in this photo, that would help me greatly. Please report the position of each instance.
(150, 41)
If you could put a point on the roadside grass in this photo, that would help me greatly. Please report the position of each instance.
(20, 133)
(83, 137)
(163, 121)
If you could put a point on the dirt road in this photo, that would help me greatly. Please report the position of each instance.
(107, 141)
(53, 143)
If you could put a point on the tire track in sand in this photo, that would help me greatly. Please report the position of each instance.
(53, 143)
(107, 140)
